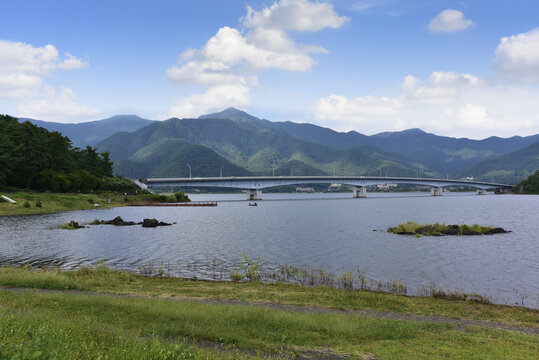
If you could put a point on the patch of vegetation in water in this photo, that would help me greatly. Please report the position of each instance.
(437, 229)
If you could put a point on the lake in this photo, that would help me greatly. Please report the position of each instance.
(313, 230)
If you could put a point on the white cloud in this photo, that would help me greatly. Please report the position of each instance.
(23, 66)
(215, 98)
(446, 103)
(206, 73)
(72, 63)
(442, 87)
(230, 47)
(217, 61)
(517, 57)
(232, 58)
(58, 107)
(295, 15)
(449, 20)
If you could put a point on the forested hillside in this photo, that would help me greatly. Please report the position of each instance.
(243, 145)
(528, 186)
(509, 169)
(35, 158)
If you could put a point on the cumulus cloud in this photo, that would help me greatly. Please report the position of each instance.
(446, 103)
(449, 20)
(218, 60)
(56, 106)
(215, 98)
(206, 73)
(297, 15)
(72, 63)
(442, 87)
(517, 57)
(232, 58)
(23, 67)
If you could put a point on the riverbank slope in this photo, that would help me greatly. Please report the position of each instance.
(143, 315)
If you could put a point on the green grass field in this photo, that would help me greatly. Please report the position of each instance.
(52, 202)
(70, 324)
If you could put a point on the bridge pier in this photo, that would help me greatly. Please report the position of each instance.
(359, 192)
(254, 194)
(481, 192)
(436, 191)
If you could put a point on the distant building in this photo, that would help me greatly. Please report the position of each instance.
(304, 189)
(386, 186)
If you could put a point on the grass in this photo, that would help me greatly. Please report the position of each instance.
(414, 228)
(70, 325)
(105, 280)
(42, 203)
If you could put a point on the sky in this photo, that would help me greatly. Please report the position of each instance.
(454, 68)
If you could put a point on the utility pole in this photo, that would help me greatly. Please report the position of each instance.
(189, 170)
(221, 172)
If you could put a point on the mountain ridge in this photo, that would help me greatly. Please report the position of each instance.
(258, 144)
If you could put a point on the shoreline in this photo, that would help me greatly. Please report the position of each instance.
(129, 316)
(50, 203)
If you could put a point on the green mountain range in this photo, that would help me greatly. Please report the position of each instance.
(509, 169)
(439, 154)
(92, 132)
(246, 143)
(235, 143)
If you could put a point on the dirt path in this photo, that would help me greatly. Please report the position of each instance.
(460, 324)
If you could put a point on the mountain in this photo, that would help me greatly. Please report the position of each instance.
(250, 145)
(92, 132)
(439, 154)
(509, 169)
(247, 143)
(169, 158)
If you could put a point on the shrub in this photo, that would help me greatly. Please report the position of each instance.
(117, 183)
(181, 197)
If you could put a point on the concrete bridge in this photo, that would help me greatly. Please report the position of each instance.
(255, 184)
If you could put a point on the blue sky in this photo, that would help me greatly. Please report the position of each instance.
(456, 68)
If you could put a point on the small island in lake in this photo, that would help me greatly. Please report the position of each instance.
(413, 228)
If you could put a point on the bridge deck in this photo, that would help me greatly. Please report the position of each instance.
(261, 182)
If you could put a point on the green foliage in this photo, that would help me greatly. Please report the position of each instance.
(26, 204)
(39, 204)
(528, 186)
(407, 227)
(181, 197)
(247, 269)
(32, 157)
(117, 183)
(413, 228)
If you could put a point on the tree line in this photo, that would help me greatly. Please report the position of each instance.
(32, 157)
(529, 185)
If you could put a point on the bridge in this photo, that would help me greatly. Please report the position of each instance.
(255, 184)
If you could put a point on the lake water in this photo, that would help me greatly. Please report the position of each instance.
(313, 230)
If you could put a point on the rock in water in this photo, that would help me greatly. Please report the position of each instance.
(150, 223)
(75, 225)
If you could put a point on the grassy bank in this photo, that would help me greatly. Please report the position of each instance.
(44, 203)
(105, 280)
(73, 325)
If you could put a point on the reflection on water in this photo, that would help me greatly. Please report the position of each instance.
(311, 230)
